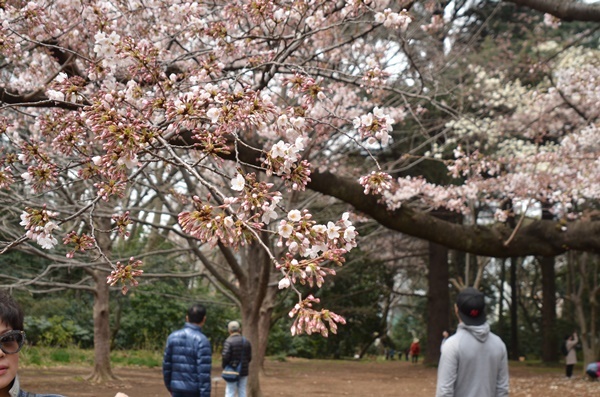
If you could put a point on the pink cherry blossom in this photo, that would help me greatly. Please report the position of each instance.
(224, 111)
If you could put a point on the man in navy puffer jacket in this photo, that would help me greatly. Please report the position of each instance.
(188, 357)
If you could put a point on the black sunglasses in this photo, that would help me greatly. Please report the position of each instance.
(12, 341)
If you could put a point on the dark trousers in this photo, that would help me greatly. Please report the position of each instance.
(570, 370)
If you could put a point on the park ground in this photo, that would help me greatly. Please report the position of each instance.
(301, 377)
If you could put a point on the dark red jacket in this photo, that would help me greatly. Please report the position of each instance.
(415, 348)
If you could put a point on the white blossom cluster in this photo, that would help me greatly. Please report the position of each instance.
(40, 228)
(551, 20)
(375, 126)
(479, 132)
(496, 90)
(513, 148)
(106, 49)
(397, 20)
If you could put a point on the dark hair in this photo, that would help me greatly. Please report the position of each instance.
(196, 313)
(10, 312)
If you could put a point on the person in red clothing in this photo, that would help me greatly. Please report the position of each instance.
(415, 349)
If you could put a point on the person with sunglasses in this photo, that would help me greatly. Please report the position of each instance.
(12, 338)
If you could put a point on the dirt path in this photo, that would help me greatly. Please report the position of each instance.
(297, 377)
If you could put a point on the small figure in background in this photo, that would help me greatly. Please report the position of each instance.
(415, 349)
(593, 370)
(571, 357)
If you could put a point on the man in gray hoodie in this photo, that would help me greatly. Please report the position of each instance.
(474, 361)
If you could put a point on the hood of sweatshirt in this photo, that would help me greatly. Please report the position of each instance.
(479, 332)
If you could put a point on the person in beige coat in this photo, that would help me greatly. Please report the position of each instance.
(571, 357)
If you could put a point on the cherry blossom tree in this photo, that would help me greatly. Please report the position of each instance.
(242, 102)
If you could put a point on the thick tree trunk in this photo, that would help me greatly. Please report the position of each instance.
(257, 330)
(549, 337)
(438, 301)
(264, 327)
(251, 331)
(259, 333)
(256, 306)
(501, 317)
(102, 370)
(583, 271)
(514, 307)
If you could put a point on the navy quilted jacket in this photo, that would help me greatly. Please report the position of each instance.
(187, 361)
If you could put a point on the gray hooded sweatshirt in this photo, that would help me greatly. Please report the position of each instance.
(473, 363)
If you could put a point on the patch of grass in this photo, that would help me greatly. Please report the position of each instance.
(140, 358)
(60, 356)
(49, 356)
(32, 356)
(38, 356)
(280, 358)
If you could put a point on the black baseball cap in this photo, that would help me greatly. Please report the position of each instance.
(471, 306)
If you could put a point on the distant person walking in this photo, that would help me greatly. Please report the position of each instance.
(188, 357)
(235, 349)
(571, 357)
(415, 350)
(474, 361)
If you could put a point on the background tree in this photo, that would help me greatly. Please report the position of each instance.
(582, 295)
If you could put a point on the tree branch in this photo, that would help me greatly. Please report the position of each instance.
(565, 10)
(534, 237)
(37, 101)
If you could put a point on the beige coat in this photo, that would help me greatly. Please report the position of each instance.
(572, 356)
